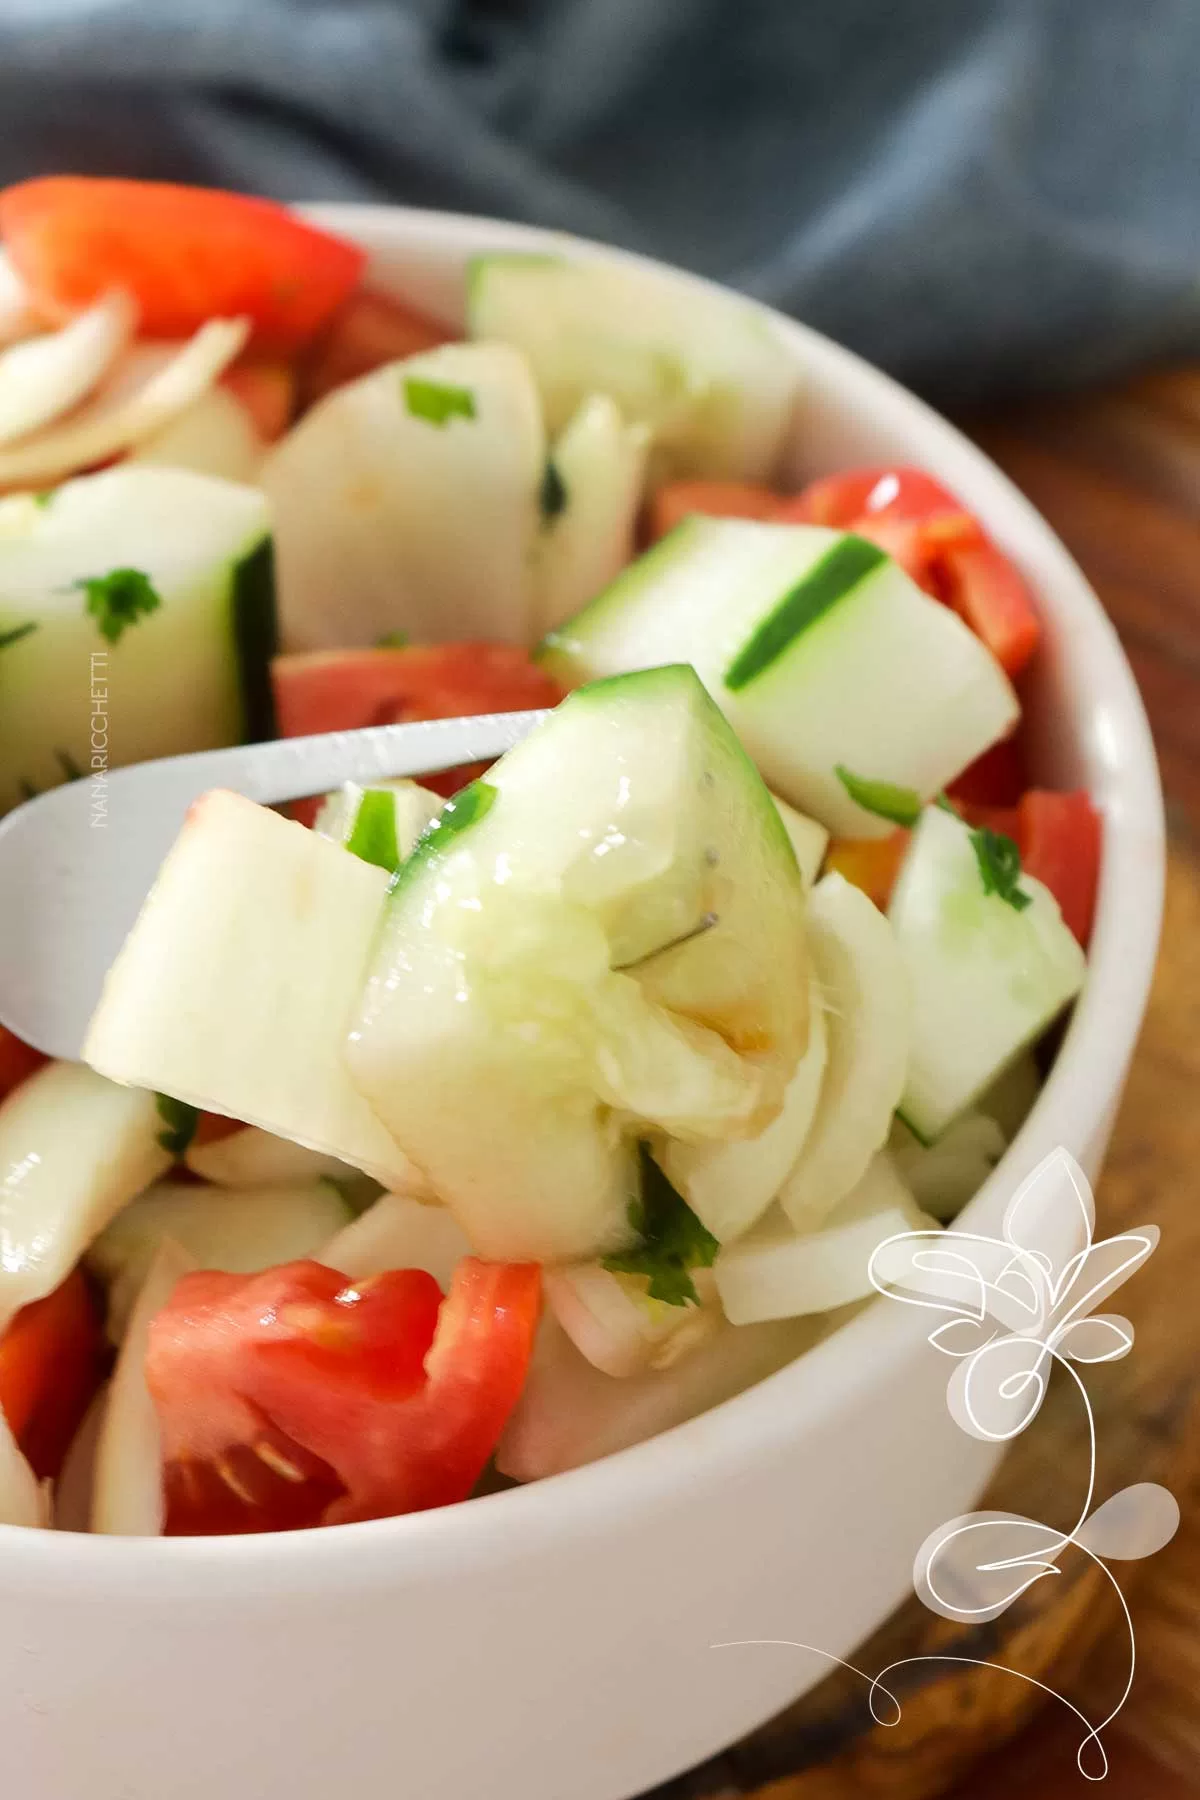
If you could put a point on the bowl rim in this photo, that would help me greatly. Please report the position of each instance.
(1082, 1087)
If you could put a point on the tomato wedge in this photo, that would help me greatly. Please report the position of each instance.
(846, 499)
(341, 690)
(17, 1060)
(186, 254)
(990, 596)
(1060, 837)
(51, 1363)
(291, 1398)
(370, 330)
(673, 502)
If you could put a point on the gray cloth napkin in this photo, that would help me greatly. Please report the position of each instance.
(978, 194)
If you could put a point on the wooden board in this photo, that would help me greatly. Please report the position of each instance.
(1118, 475)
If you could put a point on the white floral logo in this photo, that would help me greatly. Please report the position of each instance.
(1011, 1309)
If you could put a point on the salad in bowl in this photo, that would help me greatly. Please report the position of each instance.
(451, 1134)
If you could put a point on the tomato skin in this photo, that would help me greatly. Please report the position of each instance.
(17, 1060)
(989, 594)
(51, 1363)
(186, 254)
(871, 864)
(294, 1398)
(1060, 838)
(368, 331)
(673, 502)
(846, 499)
(341, 690)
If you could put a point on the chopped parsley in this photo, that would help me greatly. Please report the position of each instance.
(553, 492)
(44, 498)
(118, 600)
(392, 640)
(672, 1241)
(902, 805)
(1000, 867)
(179, 1120)
(373, 834)
(17, 633)
(437, 402)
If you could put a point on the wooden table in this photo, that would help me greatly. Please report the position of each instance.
(1117, 473)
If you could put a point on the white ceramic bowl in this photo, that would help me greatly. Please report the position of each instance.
(555, 1642)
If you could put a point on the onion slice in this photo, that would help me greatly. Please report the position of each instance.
(107, 430)
(18, 318)
(46, 376)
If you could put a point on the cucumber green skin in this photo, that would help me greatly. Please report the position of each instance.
(373, 835)
(256, 639)
(833, 579)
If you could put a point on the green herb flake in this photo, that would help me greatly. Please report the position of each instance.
(373, 834)
(392, 640)
(1000, 867)
(437, 402)
(17, 633)
(118, 600)
(552, 495)
(902, 805)
(179, 1120)
(672, 1241)
(44, 498)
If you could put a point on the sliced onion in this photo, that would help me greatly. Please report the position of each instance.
(108, 429)
(17, 316)
(45, 377)
(618, 1327)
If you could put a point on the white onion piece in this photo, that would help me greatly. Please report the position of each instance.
(73, 1489)
(398, 1233)
(774, 1273)
(943, 1176)
(45, 377)
(22, 1501)
(869, 1019)
(127, 1493)
(253, 1157)
(618, 1327)
(106, 429)
(215, 436)
(17, 316)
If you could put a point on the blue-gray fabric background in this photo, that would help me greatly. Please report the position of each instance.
(979, 194)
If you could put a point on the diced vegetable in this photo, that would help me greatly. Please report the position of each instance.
(991, 595)
(704, 370)
(46, 376)
(1059, 836)
(809, 839)
(122, 417)
(17, 1060)
(292, 1398)
(240, 1230)
(74, 1149)
(868, 1018)
(942, 1177)
(50, 1367)
(616, 1324)
(409, 500)
(571, 1413)
(675, 501)
(871, 864)
(215, 436)
(729, 1185)
(851, 496)
(127, 1485)
(819, 650)
(775, 1273)
(370, 330)
(988, 969)
(250, 1157)
(136, 620)
(398, 1232)
(380, 823)
(591, 493)
(238, 982)
(186, 254)
(997, 778)
(628, 833)
(342, 690)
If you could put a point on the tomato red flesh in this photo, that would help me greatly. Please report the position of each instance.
(370, 330)
(997, 778)
(17, 1060)
(675, 500)
(854, 495)
(186, 254)
(990, 595)
(295, 1398)
(267, 390)
(51, 1362)
(1060, 839)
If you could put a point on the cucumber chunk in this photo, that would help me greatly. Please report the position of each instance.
(987, 978)
(810, 840)
(237, 985)
(704, 370)
(611, 941)
(74, 1150)
(188, 671)
(868, 1016)
(817, 647)
(409, 500)
(593, 485)
(774, 1273)
(237, 1230)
